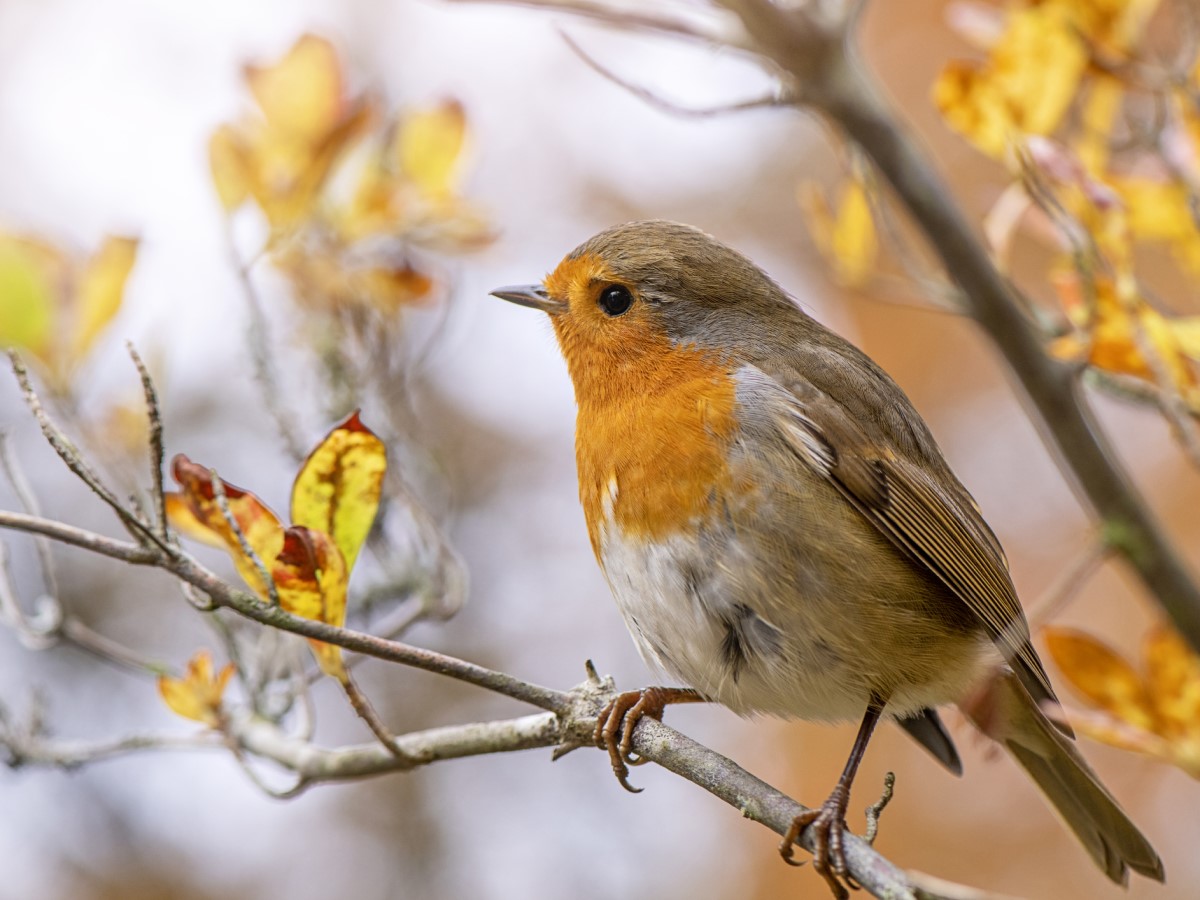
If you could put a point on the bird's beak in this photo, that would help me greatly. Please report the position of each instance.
(531, 295)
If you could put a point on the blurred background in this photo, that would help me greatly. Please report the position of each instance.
(106, 111)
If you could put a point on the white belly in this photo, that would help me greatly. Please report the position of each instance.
(698, 616)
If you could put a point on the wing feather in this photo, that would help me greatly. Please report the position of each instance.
(937, 528)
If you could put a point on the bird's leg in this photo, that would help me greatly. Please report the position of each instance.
(615, 724)
(829, 821)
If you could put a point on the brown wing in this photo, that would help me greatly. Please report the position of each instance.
(934, 526)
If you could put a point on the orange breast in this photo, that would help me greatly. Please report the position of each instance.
(651, 447)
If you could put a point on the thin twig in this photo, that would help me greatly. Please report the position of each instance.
(36, 635)
(250, 606)
(368, 714)
(713, 28)
(875, 810)
(1069, 583)
(78, 537)
(157, 453)
(29, 502)
(67, 754)
(777, 98)
(70, 455)
(87, 638)
(260, 353)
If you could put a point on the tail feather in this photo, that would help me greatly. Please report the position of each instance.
(1114, 842)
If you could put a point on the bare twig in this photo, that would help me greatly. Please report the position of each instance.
(246, 604)
(875, 810)
(70, 455)
(260, 353)
(711, 28)
(1069, 583)
(368, 714)
(78, 537)
(774, 99)
(37, 633)
(38, 750)
(87, 638)
(29, 502)
(157, 454)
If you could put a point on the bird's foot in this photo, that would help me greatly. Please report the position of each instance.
(615, 724)
(828, 824)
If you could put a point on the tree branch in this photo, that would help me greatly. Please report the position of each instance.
(681, 21)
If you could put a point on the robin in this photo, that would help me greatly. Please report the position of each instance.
(782, 534)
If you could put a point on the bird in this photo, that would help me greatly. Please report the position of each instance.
(782, 534)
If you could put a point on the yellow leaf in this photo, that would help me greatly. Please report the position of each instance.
(1099, 113)
(1026, 85)
(338, 489)
(198, 694)
(428, 145)
(1187, 333)
(311, 576)
(27, 299)
(100, 292)
(197, 510)
(1101, 676)
(1173, 682)
(848, 239)
(301, 95)
(228, 158)
(1111, 328)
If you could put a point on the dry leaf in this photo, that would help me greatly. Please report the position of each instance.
(198, 694)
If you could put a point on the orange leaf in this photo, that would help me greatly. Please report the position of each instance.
(198, 694)
(311, 577)
(1101, 675)
(1110, 338)
(196, 511)
(338, 489)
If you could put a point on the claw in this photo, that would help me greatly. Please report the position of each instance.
(829, 852)
(617, 721)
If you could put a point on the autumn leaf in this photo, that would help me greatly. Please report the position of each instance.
(1026, 84)
(312, 576)
(54, 306)
(198, 694)
(195, 512)
(100, 291)
(338, 489)
(303, 94)
(335, 498)
(1154, 711)
(846, 237)
(428, 145)
(283, 159)
(28, 301)
(1110, 334)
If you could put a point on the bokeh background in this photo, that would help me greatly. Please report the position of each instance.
(105, 113)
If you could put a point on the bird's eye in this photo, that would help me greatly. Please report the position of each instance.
(615, 299)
